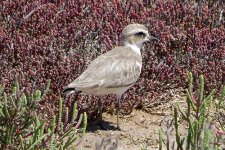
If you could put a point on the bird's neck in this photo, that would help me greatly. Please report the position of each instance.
(134, 47)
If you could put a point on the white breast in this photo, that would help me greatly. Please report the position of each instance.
(134, 48)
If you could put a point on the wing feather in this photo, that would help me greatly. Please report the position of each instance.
(116, 68)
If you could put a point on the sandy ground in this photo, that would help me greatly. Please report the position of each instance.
(139, 130)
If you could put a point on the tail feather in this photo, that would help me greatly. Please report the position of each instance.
(68, 90)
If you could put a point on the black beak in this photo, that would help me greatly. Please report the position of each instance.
(152, 38)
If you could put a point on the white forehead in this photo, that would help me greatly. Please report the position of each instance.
(134, 31)
(134, 28)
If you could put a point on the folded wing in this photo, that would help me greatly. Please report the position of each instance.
(116, 68)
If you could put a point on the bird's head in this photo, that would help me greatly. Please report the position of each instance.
(135, 34)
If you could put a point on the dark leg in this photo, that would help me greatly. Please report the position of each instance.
(100, 110)
(117, 111)
(100, 115)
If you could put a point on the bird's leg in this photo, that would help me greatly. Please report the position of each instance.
(100, 115)
(100, 110)
(117, 111)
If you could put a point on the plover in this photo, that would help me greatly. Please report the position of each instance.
(115, 71)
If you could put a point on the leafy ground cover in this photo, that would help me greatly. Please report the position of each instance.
(47, 39)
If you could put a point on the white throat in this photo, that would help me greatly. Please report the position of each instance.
(135, 48)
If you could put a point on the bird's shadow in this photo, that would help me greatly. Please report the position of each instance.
(104, 125)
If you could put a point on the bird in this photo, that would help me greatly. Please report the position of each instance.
(115, 71)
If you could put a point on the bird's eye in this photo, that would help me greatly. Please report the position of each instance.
(140, 34)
